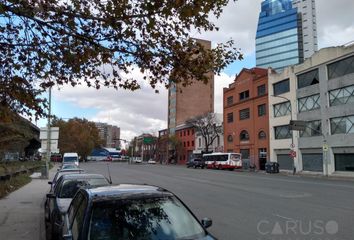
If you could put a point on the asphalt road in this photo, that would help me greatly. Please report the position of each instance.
(251, 205)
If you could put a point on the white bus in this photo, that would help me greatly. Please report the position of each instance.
(223, 160)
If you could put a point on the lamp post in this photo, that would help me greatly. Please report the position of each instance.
(291, 119)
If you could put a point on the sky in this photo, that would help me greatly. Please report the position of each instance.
(144, 111)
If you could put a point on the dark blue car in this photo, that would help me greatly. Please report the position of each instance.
(131, 212)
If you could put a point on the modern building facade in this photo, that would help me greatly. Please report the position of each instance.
(286, 33)
(109, 134)
(320, 92)
(193, 100)
(246, 116)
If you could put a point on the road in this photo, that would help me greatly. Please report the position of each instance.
(251, 205)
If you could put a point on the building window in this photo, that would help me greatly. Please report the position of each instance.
(230, 138)
(184, 144)
(230, 117)
(200, 142)
(188, 144)
(342, 125)
(184, 133)
(245, 153)
(281, 87)
(261, 90)
(230, 100)
(341, 96)
(188, 132)
(244, 114)
(282, 132)
(341, 68)
(218, 141)
(262, 135)
(262, 153)
(282, 109)
(244, 95)
(180, 134)
(344, 162)
(261, 110)
(309, 103)
(192, 143)
(313, 129)
(308, 79)
(244, 136)
(192, 131)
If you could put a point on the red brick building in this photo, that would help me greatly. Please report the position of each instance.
(185, 135)
(246, 119)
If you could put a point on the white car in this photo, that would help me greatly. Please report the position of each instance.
(151, 161)
(137, 160)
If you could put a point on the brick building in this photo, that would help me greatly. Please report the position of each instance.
(193, 100)
(185, 135)
(162, 146)
(246, 121)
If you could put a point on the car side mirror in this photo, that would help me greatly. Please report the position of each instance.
(67, 236)
(50, 182)
(50, 195)
(207, 222)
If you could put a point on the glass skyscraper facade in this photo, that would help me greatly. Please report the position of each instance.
(280, 38)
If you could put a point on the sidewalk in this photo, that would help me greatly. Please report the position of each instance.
(22, 212)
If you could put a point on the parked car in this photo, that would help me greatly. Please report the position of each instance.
(58, 201)
(71, 158)
(196, 163)
(131, 212)
(68, 166)
(151, 161)
(61, 173)
(56, 157)
(137, 160)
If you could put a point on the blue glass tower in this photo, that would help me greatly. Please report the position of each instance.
(279, 35)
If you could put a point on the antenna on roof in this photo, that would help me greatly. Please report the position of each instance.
(109, 174)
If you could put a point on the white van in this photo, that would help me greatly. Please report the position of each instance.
(71, 158)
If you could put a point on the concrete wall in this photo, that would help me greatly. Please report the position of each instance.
(337, 143)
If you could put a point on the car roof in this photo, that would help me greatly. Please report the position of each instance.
(125, 191)
(82, 176)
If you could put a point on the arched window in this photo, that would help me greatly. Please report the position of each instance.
(262, 135)
(244, 136)
(230, 138)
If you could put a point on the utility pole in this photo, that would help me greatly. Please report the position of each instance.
(48, 135)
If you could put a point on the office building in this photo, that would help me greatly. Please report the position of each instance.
(109, 134)
(319, 92)
(246, 117)
(286, 33)
(193, 100)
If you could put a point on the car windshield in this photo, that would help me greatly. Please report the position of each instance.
(70, 186)
(70, 159)
(147, 218)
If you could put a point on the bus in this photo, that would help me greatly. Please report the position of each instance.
(223, 160)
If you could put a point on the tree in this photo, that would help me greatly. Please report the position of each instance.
(176, 146)
(77, 135)
(97, 43)
(208, 126)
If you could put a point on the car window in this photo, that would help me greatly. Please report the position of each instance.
(78, 219)
(147, 218)
(71, 186)
(74, 206)
(58, 184)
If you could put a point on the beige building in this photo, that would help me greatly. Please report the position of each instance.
(190, 101)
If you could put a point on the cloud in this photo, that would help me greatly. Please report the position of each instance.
(220, 82)
(134, 112)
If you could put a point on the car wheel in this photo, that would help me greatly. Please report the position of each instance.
(220, 167)
(194, 166)
(202, 167)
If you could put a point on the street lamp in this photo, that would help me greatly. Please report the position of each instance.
(291, 119)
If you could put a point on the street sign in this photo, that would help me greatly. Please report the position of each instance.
(297, 125)
(325, 147)
(292, 145)
(54, 133)
(292, 154)
(148, 140)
